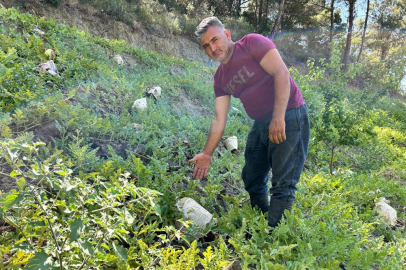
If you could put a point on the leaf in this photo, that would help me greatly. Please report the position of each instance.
(22, 257)
(69, 187)
(41, 260)
(128, 217)
(23, 245)
(76, 228)
(121, 252)
(158, 210)
(224, 229)
(14, 173)
(61, 173)
(13, 198)
(37, 223)
(21, 183)
(86, 247)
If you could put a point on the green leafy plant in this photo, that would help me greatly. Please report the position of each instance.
(338, 122)
(91, 189)
(73, 216)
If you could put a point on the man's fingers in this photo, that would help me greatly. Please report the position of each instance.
(274, 138)
(199, 173)
(195, 172)
(202, 165)
(277, 137)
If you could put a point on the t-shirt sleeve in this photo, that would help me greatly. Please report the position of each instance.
(217, 88)
(257, 46)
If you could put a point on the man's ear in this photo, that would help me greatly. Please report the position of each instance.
(228, 34)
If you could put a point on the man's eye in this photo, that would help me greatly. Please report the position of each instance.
(204, 47)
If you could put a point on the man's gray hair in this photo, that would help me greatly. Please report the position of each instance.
(204, 25)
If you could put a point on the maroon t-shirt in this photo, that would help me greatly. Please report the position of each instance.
(244, 78)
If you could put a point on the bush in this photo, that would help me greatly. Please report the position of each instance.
(238, 27)
(55, 3)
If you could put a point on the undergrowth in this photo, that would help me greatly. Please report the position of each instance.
(94, 191)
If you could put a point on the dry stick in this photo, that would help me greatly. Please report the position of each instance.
(26, 129)
(5, 174)
(50, 227)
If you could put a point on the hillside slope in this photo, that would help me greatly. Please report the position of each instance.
(96, 181)
(85, 18)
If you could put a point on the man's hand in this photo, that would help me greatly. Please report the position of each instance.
(202, 165)
(277, 130)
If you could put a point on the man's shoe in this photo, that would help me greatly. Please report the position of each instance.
(260, 200)
(276, 211)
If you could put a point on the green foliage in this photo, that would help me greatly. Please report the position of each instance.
(238, 27)
(54, 2)
(336, 120)
(82, 221)
(394, 66)
(165, 16)
(92, 190)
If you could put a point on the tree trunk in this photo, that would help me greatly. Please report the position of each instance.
(351, 16)
(261, 3)
(332, 20)
(385, 45)
(230, 7)
(256, 14)
(267, 8)
(276, 27)
(363, 33)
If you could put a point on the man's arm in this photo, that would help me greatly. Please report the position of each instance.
(203, 160)
(274, 65)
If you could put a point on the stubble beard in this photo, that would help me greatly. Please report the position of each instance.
(228, 53)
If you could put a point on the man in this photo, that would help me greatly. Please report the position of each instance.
(251, 69)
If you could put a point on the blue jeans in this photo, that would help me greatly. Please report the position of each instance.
(285, 159)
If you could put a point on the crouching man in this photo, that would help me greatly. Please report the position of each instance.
(252, 70)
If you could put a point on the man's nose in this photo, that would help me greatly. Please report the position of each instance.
(212, 47)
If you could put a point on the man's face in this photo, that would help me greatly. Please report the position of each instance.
(217, 44)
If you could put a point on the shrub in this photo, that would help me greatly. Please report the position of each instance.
(55, 3)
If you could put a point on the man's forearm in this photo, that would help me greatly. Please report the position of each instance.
(215, 134)
(282, 93)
